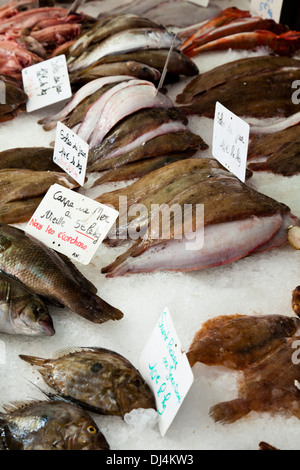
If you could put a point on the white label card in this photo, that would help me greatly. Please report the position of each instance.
(46, 83)
(267, 8)
(166, 369)
(230, 141)
(70, 153)
(71, 223)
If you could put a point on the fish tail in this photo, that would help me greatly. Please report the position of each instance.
(229, 411)
(34, 361)
(93, 308)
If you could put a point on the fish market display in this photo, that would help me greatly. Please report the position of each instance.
(237, 341)
(276, 152)
(237, 29)
(14, 100)
(255, 87)
(122, 38)
(47, 425)
(169, 13)
(22, 190)
(268, 386)
(21, 311)
(51, 276)
(245, 220)
(97, 379)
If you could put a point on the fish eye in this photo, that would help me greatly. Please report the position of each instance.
(138, 382)
(96, 367)
(91, 430)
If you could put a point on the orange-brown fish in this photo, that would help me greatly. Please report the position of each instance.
(97, 379)
(46, 425)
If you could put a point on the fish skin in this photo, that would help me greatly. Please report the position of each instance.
(30, 18)
(261, 95)
(296, 301)
(15, 96)
(21, 311)
(235, 69)
(267, 386)
(237, 341)
(97, 379)
(29, 158)
(46, 425)
(44, 272)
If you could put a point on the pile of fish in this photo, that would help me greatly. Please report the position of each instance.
(49, 275)
(263, 349)
(127, 43)
(237, 29)
(127, 121)
(260, 87)
(177, 13)
(245, 220)
(12, 98)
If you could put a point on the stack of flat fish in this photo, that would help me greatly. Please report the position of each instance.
(258, 87)
(127, 122)
(123, 43)
(245, 220)
(263, 349)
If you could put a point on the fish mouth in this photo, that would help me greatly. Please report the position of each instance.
(47, 327)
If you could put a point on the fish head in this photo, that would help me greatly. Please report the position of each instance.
(133, 392)
(34, 319)
(84, 434)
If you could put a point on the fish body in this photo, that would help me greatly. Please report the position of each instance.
(51, 276)
(28, 158)
(15, 98)
(46, 425)
(21, 311)
(97, 379)
(268, 386)
(237, 341)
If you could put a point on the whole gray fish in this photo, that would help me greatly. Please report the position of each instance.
(46, 425)
(97, 379)
(21, 311)
(50, 275)
(125, 41)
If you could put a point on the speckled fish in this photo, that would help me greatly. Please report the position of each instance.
(276, 152)
(97, 379)
(269, 386)
(245, 220)
(29, 158)
(46, 425)
(21, 311)
(51, 276)
(21, 190)
(125, 41)
(237, 341)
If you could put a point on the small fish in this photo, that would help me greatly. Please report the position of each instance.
(237, 341)
(46, 425)
(97, 379)
(21, 311)
(51, 276)
(268, 386)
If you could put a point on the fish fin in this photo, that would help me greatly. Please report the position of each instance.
(230, 411)
(5, 290)
(93, 308)
(112, 269)
(32, 360)
(5, 243)
(18, 405)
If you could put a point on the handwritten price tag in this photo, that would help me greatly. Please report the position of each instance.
(46, 83)
(267, 8)
(230, 141)
(71, 223)
(70, 153)
(166, 369)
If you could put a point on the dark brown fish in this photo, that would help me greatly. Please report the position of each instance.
(268, 386)
(278, 152)
(296, 301)
(30, 158)
(237, 341)
(265, 446)
(97, 379)
(14, 97)
(51, 276)
(46, 425)
(21, 311)
(230, 71)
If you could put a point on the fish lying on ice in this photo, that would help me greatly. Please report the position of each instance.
(21, 311)
(245, 220)
(97, 379)
(28, 158)
(47, 425)
(237, 341)
(51, 275)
